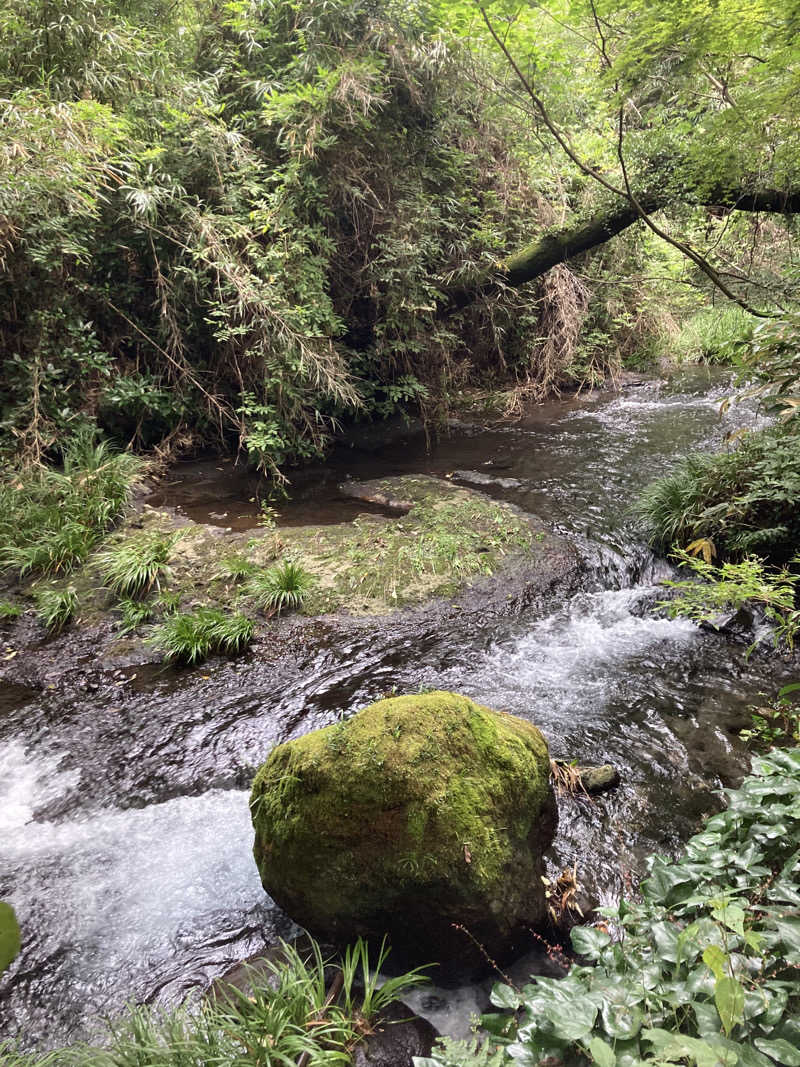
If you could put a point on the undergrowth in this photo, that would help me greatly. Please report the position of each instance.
(51, 519)
(776, 722)
(715, 335)
(731, 586)
(741, 501)
(304, 1009)
(701, 971)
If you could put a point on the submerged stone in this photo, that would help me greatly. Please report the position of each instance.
(421, 817)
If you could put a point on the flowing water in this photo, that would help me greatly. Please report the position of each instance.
(124, 829)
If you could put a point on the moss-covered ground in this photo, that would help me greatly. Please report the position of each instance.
(369, 566)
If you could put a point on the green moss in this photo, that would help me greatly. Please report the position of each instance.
(426, 796)
(372, 565)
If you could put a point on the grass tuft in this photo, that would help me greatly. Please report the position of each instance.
(236, 567)
(134, 566)
(291, 1014)
(9, 611)
(193, 637)
(56, 607)
(279, 588)
(134, 614)
(50, 519)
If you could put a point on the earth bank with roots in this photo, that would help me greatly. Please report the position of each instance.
(421, 817)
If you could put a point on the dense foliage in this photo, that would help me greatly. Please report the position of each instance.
(243, 222)
(702, 971)
(740, 500)
(236, 221)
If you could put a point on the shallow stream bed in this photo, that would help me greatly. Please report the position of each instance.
(124, 830)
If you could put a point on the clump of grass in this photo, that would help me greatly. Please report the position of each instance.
(51, 519)
(236, 567)
(134, 613)
(135, 566)
(290, 1015)
(56, 607)
(714, 335)
(279, 588)
(167, 602)
(193, 637)
(9, 610)
(670, 506)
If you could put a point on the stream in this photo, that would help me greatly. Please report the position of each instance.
(125, 838)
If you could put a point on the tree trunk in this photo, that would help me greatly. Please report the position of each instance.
(538, 257)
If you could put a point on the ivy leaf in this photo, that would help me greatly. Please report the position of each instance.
(503, 996)
(588, 941)
(779, 1050)
(602, 1054)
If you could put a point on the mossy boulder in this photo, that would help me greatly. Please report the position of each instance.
(418, 813)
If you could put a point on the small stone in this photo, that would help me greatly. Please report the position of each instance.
(596, 779)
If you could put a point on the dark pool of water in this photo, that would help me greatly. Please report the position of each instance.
(124, 827)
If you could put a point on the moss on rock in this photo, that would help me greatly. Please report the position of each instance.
(419, 812)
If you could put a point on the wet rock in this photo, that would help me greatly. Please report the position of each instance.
(481, 478)
(369, 494)
(419, 813)
(736, 624)
(597, 779)
(399, 1036)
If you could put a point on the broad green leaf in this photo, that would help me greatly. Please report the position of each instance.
(602, 1054)
(780, 1051)
(588, 941)
(729, 998)
(9, 935)
(503, 996)
(716, 959)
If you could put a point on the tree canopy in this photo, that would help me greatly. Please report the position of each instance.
(246, 221)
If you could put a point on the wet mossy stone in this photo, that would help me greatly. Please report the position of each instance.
(418, 813)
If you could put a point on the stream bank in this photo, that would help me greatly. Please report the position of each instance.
(127, 836)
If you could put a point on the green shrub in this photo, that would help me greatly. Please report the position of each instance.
(279, 588)
(51, 519)
(770, 367)
(702, 971)
(191, 638)
(743, 501)
(134, 566)
(777, 722)
(55, 607)
(731, 586)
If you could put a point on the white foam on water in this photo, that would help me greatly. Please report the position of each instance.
(577, 656)
(121, 884)
(27, 784)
